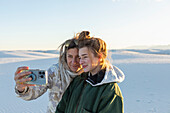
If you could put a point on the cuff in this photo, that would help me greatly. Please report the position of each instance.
(21, 93)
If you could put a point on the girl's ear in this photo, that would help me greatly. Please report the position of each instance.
(100, 57)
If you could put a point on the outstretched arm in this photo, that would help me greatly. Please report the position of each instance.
(27, 91)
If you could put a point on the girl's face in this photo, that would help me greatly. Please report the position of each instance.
(73, 59)
(89, 62)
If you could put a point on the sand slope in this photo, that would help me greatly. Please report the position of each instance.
(145, 89)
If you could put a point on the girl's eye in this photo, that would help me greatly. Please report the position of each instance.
(85, 57)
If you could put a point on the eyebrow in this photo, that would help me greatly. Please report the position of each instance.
(69, 54)
(84, 54)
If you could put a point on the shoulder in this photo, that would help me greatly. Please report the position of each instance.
(112, 89)
(78, 79)
(53, 69)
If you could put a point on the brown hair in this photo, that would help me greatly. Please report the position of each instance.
(96, 45)
(68, 44)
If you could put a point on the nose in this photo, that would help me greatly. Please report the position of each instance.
(74, 61)
(81, 61)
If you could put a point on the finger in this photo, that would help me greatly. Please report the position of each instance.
(21, 87)
(23, 80)
(21, 75)
(23, 84)
(19, 69)
(29, 84)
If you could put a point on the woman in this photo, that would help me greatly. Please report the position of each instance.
(59, 76)
(96, 90)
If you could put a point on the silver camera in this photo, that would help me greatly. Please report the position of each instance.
(39, 77)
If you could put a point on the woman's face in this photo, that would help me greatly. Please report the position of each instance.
(89, 62)
(73, 59)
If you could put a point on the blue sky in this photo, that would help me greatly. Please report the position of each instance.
(45, 24)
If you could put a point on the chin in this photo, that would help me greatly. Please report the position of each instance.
(74, 70)
(85, 70)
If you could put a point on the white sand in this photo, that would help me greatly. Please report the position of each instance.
(145, 89)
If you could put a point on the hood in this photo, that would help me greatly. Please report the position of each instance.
(112, 74)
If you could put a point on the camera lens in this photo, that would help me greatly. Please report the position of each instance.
(32, 76)
(41, 76)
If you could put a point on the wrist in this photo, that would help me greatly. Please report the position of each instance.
(21, 90)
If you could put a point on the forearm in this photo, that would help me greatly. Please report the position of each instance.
(31, 92)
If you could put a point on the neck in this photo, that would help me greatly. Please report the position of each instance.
(96, 70)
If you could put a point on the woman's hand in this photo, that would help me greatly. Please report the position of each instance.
(20, 78)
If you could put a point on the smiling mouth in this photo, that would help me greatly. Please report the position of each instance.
(84, 66)
(75, 66)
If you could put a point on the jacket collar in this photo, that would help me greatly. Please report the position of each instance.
(97, 78)
(112, 74)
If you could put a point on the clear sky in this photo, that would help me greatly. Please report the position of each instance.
(45, 24)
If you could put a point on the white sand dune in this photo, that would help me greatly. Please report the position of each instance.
(18, 56)
(145, 88)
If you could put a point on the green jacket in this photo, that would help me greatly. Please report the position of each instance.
(84, 97)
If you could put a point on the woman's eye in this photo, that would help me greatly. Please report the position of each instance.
(70, 56)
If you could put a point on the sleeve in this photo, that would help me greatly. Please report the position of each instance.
(33, 92)
(111, 103)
